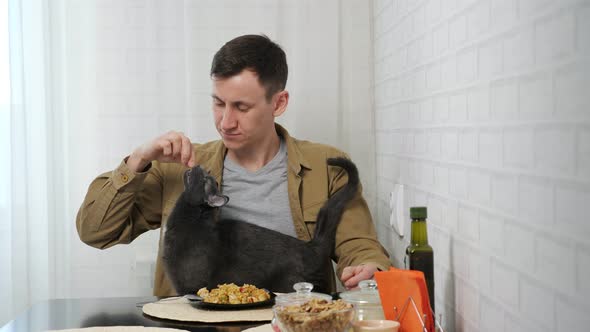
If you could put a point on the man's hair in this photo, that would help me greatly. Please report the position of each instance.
(256, 53)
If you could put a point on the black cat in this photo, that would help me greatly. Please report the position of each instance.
(202, 252)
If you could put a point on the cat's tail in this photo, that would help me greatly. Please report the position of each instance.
(330, 214)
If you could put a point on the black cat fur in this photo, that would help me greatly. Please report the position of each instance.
(202, 252)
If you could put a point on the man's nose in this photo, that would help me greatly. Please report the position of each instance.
(228, 119)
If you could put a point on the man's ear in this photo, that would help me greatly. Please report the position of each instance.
(281, 100)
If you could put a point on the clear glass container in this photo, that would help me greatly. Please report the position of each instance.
(306, 311)
(303, 293)
(365, 300)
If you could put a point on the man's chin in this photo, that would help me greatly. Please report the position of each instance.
(231, 144)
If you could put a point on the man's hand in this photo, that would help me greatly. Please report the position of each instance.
(172, 147)
(352, 275)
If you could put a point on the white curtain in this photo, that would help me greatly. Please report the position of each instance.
(91, 80)
(30, 164)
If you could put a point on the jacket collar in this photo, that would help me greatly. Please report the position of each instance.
(295, 156)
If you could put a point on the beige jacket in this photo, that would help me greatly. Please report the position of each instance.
(120, 205)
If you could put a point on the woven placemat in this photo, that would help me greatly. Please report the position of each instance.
(120, 329)
(180, 309)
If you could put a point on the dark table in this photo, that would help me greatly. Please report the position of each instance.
(60, 314)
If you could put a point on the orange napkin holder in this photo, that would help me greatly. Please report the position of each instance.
(396, 288)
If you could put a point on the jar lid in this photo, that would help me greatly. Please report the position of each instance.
(366, 294)
(303, 293)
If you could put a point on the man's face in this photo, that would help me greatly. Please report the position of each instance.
(243, 116)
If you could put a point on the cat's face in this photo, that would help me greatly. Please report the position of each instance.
(202, 188)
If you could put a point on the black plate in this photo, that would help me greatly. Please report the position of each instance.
(222, 306)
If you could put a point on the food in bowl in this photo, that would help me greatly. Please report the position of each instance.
(315, 315)
(234, 294)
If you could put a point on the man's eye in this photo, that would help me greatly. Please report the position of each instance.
(242, 107)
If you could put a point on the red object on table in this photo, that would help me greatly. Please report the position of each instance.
(396, 286)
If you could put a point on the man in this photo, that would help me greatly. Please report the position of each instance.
(272, 179)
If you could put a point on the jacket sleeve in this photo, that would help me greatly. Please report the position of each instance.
(356, 239)
(119, 206)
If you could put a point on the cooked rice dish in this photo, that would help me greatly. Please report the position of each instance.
(233, 294)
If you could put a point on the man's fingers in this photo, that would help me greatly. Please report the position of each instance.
(176, 141)
(358, 274)
(347, 273)
(191, 161)
(166, 148)
(187, 150)
(353, 281)
(172, 147)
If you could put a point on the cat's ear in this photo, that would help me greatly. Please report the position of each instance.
(217, 200)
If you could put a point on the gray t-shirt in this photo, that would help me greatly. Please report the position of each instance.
(260, 197)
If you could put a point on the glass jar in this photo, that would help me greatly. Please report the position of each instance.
(365, 300)
(303, 293)
(332, 316)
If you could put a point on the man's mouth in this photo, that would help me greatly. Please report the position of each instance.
(229, 135)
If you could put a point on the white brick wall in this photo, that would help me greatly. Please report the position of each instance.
(483, 112)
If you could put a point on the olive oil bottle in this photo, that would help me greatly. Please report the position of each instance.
(419, 253)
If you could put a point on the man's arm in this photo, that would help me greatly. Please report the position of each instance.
(122, 204)
(119, 206)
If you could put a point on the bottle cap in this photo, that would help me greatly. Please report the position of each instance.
(418, 212)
